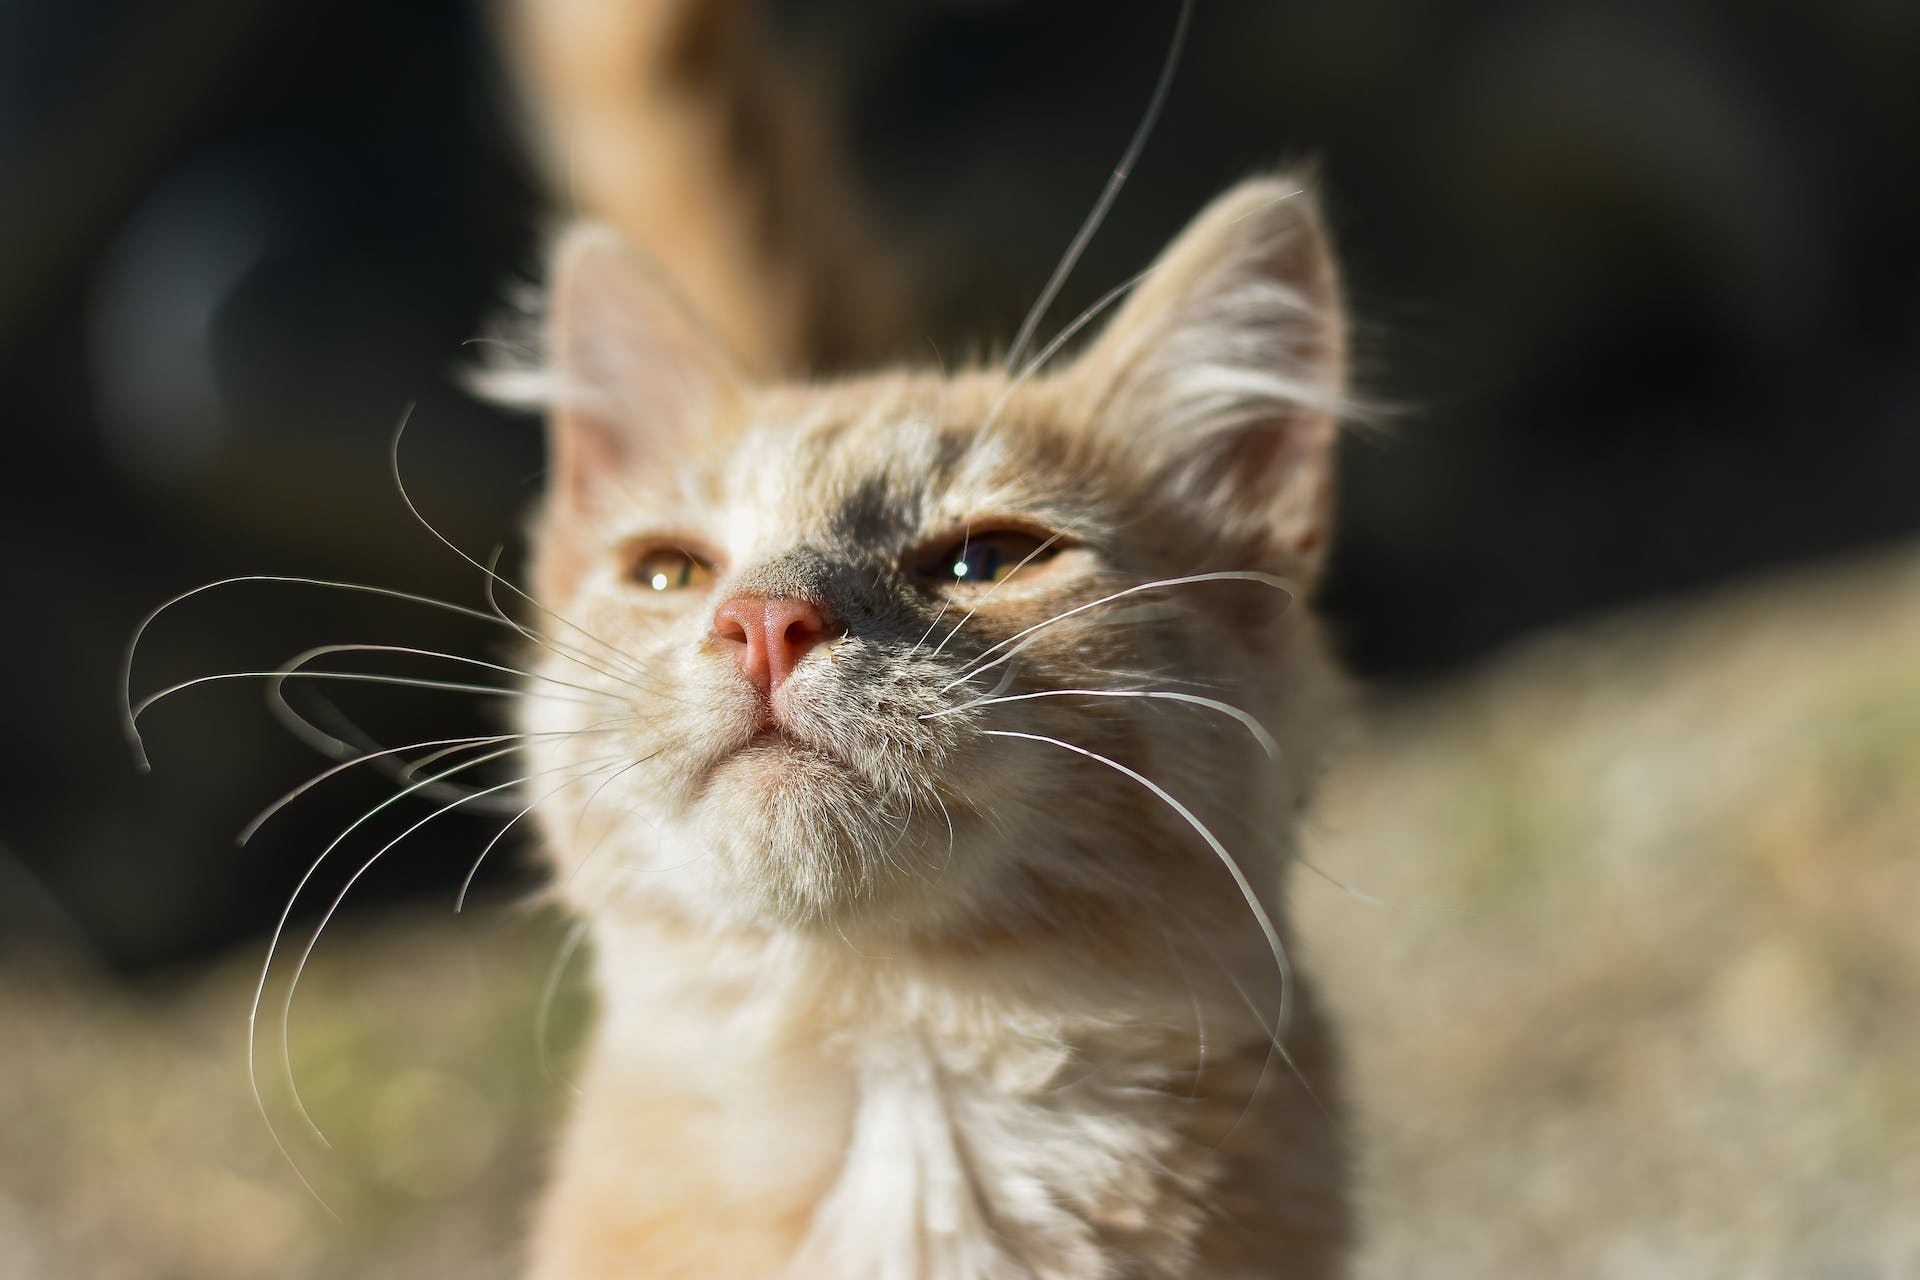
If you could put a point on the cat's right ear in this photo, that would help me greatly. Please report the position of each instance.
(632, 377)
(1226, 370)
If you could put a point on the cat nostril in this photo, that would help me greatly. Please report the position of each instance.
(733, 621)
(798, 623)
(774, 636)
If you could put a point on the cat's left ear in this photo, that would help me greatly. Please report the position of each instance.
(635, 378)
(1227, 367)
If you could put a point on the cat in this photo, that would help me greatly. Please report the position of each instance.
(898, 979)
(923, 749)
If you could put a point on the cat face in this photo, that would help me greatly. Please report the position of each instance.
(887, 655)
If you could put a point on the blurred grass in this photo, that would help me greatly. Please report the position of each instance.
(1640, 996)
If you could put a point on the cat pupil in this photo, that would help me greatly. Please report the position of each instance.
(981, 563)
(986, 558)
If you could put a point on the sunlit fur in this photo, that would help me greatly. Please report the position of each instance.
(892, 996)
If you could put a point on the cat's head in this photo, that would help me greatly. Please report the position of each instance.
(879, 655)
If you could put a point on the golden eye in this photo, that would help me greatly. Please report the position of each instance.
(989, 556)
(668, 568)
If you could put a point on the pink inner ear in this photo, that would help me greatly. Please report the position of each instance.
(584, 450)
(1224, 369)
(633, 374)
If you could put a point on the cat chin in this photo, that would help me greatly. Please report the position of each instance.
(803, 840)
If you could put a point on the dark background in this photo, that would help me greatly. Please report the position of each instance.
(1637, 281)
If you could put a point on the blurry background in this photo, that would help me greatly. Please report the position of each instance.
(1640, 277)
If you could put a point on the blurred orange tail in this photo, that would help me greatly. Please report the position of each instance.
(678, 122)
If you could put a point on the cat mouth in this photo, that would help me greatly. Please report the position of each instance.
(774, 738)
(772, 735)
(773, 756)
(773, 744)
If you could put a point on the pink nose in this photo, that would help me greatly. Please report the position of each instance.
(772, 635)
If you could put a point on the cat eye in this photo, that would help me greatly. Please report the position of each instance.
(989, 556)
(669, 568)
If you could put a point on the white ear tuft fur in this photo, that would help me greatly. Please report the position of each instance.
(1228, 367)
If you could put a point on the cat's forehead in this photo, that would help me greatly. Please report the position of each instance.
(889, 455)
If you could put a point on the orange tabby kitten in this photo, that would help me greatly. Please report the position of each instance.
(924, 751)
(932, 695)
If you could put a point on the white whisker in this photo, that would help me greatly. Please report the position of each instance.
(466, 882)
(446, 747)
(948, 815)
(1062, 338)
(131, 730)
(1226, 575)
(1193, 994)
(489, 576)
(1276, 1046)
(1187, 815)
(279, 931)
(260, 819)
(566, 881)
(549, 991)
(337, 747)
(1373, 900)
(293, 665)
(1253, 726)
(1058, 341)
(354, 677)
(581, 819)
(345, 740)
(572, 652)
(981, 603)
(966, 540)
(333, 908)
(304, 728)
(1118, 179)
(414, 768)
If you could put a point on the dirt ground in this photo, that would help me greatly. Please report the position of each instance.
(1644, 1000)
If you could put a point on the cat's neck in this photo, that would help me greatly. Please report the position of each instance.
(782, 1105)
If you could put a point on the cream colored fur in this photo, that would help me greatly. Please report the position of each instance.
(907, 995)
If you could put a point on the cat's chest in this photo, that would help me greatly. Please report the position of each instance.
(876, 1152)
(980, 1173)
